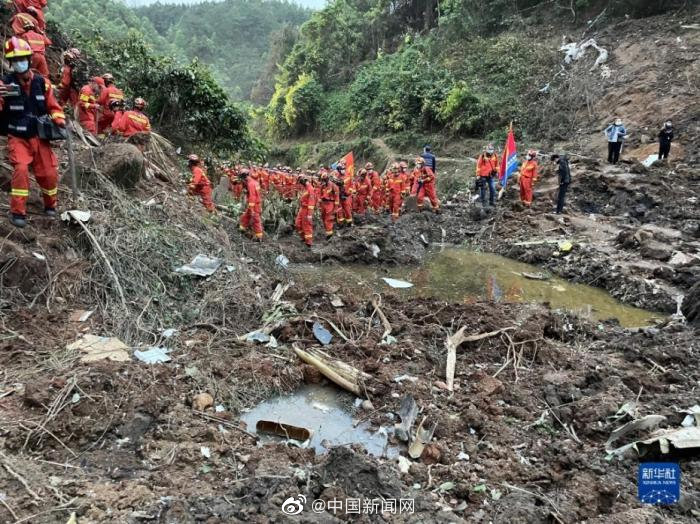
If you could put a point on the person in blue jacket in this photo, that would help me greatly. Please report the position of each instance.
(429, 158)
(615, 133)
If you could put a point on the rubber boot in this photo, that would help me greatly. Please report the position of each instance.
(50, 212)
(18, 220)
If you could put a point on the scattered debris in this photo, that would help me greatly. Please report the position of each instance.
(100, 348)
(167, 333)
(80, 315)
(535, 276)
(565, 246)
(421, 439)
(404, 464)
(206, 453)
(38, 255)
(408, 413)
(76, 215)
(574, 51)
(648, 161)
(322, 334)
(401, 378)
(282, 261)
(336, 302)
(424, 240)
(454, 341)
(283, 430)
(153, 355)
(398, 284)
(692, 418)
(201, 266)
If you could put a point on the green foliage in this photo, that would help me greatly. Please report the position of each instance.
(239, 39)
(301, 104)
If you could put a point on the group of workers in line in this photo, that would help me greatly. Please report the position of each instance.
(337, 193)
(29, 105)
(616, 133)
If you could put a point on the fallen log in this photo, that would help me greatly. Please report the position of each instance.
(334, 375)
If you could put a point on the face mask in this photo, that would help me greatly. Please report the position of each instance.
(21, 66)
(618, 122)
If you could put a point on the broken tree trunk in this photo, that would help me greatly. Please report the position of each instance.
(335, 375)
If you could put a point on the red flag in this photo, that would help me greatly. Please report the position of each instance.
(509, 161)
(349, 160)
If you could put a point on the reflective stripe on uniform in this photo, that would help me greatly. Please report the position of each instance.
(19, 192)
(57, 114)
(50, 192)
(139, 119)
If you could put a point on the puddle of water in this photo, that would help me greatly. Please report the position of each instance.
(326, 412)
(462, 275)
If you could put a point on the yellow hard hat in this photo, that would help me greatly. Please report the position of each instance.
(17, 48)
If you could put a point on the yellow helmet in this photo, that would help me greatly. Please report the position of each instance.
(17, 48)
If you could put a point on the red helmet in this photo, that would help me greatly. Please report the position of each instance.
(107, 77)
(17, 48)
(139, 103)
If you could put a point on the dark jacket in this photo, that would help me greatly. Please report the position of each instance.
(429, 160)
(563, 171)
(665, 137)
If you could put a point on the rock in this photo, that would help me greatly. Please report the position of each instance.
(656, 250)
(367, 405)
(202, 401)
(681, 259)
(36, 394)
(431, 454)
(487, 386)
(311, 374)
(122, 163)
(691, 305)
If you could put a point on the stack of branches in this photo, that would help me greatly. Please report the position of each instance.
(136, 245)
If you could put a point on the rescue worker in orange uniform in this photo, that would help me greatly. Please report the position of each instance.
(38, 42)
(87, 105)
(395, 190)
(527, 177)
(200, 184)
(18, 21)
(330, 201)
(424, 185)
(235, 184)
(304, 223)
(129, 123)
(34, 8)
(67, 89)
(347, 190)
(251, 219)
(376, 194)
(109, 94)
(363, 186)
(486, 173)
(407, 178)
(24, 97)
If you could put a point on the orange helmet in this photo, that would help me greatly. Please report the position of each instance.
(420, 161)
(139, 103)
(17, 48)
(403, 165)
(532, 153)
(107, 77)
(369, 165)
(28, 22)
(193, 158)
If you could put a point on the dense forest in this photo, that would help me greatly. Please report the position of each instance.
(232, 36)
(467, 67)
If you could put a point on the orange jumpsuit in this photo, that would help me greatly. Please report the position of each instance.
(200, 185)
(235, 186)
(424, 185)
(528, 176)
(25, 149)
(38, 43)
(129, 123)
(376, 193)
(38, 5)
(304, 222)
(347, 190)
(394, 192)
(17, 22)
(330, 201)
(363, 187)
(87, 109)
(66, 91)
(252, 217)
(107, 95)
